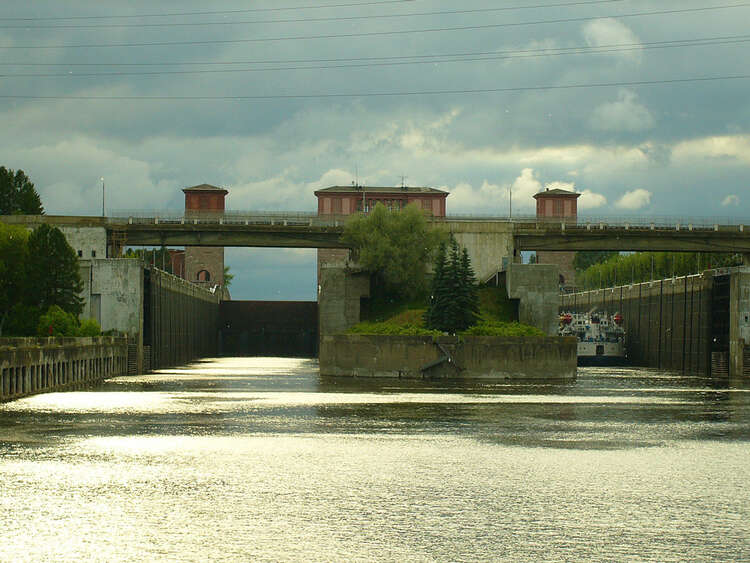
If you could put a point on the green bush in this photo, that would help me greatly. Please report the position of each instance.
(56, 322)
(499, 328)
(393, 329)
(89, 327)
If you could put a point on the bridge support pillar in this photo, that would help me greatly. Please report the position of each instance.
(340, 288)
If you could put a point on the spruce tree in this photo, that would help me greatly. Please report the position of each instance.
(435, 315)
(454, 305)
(52, 271)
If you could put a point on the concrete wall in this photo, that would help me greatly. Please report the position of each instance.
(88, 242)
(180, 320)
(340, 288)
(113, 290)
(739, 322)
(525, 358)
(38, 365)
(692, 324)
(537, 289)
(489, 244)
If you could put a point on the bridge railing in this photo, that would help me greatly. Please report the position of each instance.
(311, 218)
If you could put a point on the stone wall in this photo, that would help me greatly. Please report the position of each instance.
(522, 358)
(37, 365)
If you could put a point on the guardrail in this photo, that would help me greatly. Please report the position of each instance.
(312, 219)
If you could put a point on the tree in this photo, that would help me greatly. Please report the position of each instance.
(227, 277)
(586, 258)
(394, 246)
(13, 257)
(454, 304)
(17, 194)
(52, 275)
(158, 257)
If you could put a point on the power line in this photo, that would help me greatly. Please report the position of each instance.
(308, 20)
(385, 94)
(213, 12)
(488, 56)
(380, 33)
(718, 39)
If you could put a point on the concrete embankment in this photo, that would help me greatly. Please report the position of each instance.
(38, 365)
(518, 358)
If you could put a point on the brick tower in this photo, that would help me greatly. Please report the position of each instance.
(204, 265)
(558, 205)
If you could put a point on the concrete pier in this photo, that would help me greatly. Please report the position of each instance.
(37, 365)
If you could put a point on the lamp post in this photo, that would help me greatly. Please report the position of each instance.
(102, 179)
(510, 202)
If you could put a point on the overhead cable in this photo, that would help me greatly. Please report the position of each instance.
(379, 33)
(305, 20)
(458, 58)
(270, 97)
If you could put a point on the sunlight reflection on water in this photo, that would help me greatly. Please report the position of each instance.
(260, 459)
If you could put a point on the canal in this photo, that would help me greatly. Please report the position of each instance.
(259, 459)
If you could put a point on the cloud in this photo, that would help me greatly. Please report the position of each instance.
(731, 200)
(609, 31)
(591, 200)
(635, 199)
(625, 115)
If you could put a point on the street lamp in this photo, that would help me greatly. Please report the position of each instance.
(102, 179)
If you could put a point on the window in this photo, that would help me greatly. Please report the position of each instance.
(93, 253)
(80, 254)
(204, 275)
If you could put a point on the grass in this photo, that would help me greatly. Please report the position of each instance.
(497, 317)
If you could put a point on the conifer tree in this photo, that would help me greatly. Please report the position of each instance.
(17, 194)
(454, 304)
(52, 271)
(435, 315)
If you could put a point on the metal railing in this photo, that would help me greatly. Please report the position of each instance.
(312, 219)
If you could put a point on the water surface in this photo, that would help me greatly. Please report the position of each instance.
(259, 459)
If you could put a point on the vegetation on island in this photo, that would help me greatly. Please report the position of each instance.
(607, 269)
(397, 248)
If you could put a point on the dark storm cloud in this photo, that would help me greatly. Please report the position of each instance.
(684, 144)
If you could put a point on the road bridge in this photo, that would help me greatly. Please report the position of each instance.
(308, 230)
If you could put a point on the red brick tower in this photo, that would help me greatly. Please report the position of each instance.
(204, 265)
(558, 205)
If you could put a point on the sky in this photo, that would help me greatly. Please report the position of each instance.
(640, 106)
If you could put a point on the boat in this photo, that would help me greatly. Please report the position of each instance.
(601, 337)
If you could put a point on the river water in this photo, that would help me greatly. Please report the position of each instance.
(259, 459)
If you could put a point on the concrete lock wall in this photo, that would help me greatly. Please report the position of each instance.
(488, 243)
(697, 324)
(545, 358)
(340, 288)
(113, 293)
(537, 288)
(37, 365)
(180, 320)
